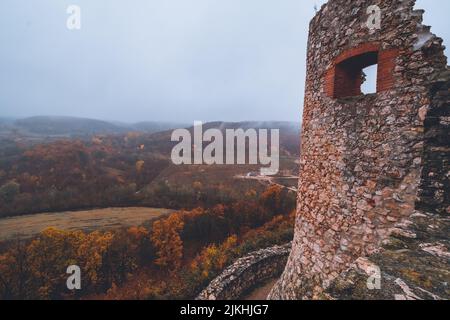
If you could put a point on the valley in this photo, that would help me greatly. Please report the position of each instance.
(109, 197)
(122, 169)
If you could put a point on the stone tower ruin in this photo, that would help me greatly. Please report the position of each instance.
(368, 161)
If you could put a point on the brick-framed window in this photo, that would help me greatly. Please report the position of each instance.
(345, 77)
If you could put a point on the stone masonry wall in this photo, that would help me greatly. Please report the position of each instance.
(246, 273)
(434, 190)
(368, 161)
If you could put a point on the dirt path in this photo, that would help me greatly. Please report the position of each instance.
(269, 180)
(88, 220)
(261, 293)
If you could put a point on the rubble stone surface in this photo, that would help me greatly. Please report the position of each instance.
(246, 273)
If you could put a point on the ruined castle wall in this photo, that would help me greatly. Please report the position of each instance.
(434, 192)
(363, 157)
(246, 273)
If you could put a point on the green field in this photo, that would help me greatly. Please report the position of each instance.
(89, 220)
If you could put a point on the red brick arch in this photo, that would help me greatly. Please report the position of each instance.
(344, 78)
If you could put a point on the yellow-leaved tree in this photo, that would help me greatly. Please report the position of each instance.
(167, 241)
(49, 256)
(90, 253)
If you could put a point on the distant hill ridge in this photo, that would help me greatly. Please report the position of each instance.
(75, 126)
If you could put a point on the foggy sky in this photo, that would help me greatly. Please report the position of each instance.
(162, 60)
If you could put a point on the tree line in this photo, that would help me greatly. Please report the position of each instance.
(170, 258)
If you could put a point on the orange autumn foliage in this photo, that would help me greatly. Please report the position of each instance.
(167, 241)
(213, 258)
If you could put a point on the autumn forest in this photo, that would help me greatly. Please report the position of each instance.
(217, 214)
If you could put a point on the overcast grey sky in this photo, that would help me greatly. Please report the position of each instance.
(169, 60)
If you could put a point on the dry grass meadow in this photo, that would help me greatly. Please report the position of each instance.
(89, 220)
